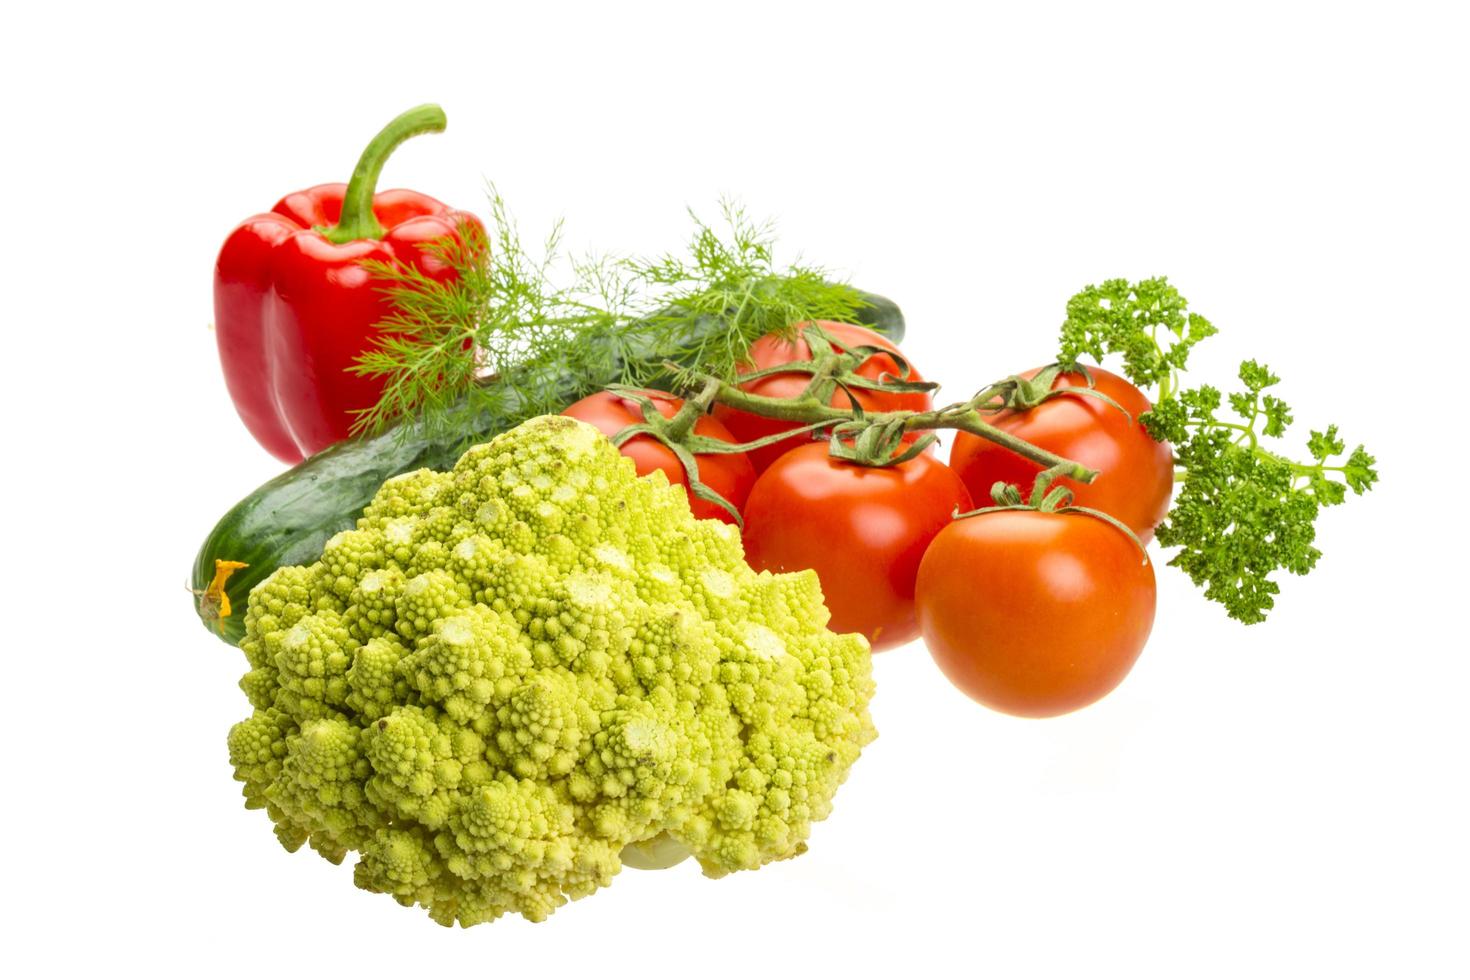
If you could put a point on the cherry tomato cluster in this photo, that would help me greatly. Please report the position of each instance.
(1034, 611)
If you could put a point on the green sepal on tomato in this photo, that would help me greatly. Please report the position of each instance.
(863, 529)
(1035, 612)
(728, 474)
(772, 351)
(1135, 472)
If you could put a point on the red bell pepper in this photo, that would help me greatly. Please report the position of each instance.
(294, 308)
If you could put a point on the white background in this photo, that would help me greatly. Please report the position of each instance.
(1280, 800)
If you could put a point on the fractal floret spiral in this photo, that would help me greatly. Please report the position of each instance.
(512, 678)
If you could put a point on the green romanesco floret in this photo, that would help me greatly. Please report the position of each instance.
(512, 678)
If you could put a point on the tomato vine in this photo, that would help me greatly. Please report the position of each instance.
(1242, 511)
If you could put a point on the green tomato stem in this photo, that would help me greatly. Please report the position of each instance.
(965, 417)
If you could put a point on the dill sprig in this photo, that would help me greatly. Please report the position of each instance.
(529, 330)
(732, 277)
(500, 315)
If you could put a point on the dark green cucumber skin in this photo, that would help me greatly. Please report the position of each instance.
(883, 315)
(288, 520)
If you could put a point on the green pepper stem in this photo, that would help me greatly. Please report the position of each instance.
(357, 220)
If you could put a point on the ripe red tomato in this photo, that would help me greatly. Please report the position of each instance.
(1135, 474)
(1034, 614)
(728, 474)
(862, 528)
(771, 351)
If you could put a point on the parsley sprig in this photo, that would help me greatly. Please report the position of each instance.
(1243, 509)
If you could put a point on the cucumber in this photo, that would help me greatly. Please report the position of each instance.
(288, 520)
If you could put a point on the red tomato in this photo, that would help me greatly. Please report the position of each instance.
(728, 474)
(771, 351)
(1034, 614)
(1135, 474)
(862, 528)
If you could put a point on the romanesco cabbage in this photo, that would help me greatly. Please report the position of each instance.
(511, 678)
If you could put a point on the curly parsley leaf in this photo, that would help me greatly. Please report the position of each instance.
(1148, 322)
(1242, 511)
